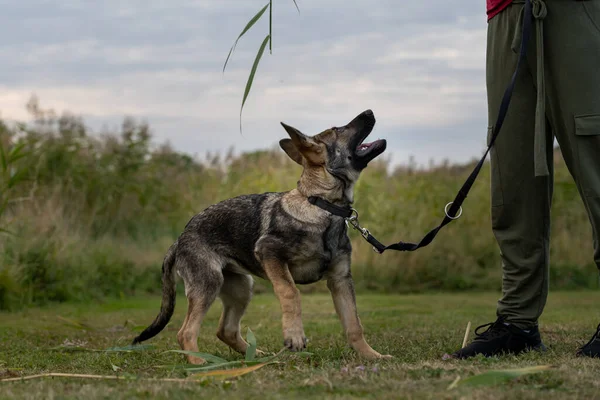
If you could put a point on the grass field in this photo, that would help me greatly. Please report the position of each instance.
(416, 329)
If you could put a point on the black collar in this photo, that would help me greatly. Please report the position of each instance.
(344, 212)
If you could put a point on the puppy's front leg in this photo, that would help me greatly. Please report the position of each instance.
(341, 286)
(289, 299)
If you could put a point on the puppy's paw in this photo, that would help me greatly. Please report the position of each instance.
(196, 360)
(296, 342)
(373, 355)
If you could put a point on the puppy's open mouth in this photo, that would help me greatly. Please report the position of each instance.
(364, 152)
(365, 148)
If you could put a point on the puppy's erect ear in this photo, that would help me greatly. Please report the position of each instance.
(288, 146)
(311, 150)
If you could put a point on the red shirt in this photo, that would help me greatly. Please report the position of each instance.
(495, 6)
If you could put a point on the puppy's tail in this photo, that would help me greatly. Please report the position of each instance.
(168, 298)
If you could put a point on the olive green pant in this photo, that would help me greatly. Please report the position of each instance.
(570, 39)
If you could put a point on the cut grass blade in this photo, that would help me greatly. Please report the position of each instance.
(490, 378)
(246, 28)
(467, 331)
(251, 350)
(261, 50)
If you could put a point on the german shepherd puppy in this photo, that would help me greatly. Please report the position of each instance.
(276, 236)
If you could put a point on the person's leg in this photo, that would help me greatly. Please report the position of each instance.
(520, 201)
(573, 86)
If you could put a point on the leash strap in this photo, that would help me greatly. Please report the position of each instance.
(453, 209)
(455, 205)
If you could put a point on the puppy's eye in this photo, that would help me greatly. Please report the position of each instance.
(350, 158)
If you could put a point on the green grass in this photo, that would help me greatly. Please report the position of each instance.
(416, 329)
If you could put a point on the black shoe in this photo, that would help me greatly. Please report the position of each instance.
(591, 348)
(500, 338)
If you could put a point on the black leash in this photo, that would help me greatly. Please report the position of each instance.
(453, 209)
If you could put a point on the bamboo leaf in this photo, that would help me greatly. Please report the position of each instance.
(230, 373)
(271, 26)
(251, 349)
(296, 4)
(212, 367)
(208, 357)
(261, 50)
(246, 28)
(495, 377)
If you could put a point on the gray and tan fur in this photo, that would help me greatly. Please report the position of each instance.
(276, 236)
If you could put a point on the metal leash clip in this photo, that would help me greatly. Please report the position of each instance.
(353, 220)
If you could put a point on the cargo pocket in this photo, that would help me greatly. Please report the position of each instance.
(497, 196)
(587, 131)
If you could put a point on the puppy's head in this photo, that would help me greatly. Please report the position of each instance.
(339, 151)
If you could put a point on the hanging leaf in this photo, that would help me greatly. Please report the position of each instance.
(261, 50)
(271, 26)
(296, 4)
(246, 28)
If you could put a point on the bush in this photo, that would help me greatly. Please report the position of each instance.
(96, 213)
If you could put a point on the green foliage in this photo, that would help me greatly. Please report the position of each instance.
(11, 171)
(94, 214)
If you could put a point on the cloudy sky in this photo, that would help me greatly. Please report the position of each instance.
(419, 65)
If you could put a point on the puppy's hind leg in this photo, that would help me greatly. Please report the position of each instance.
(235, 294)
(203, 281)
